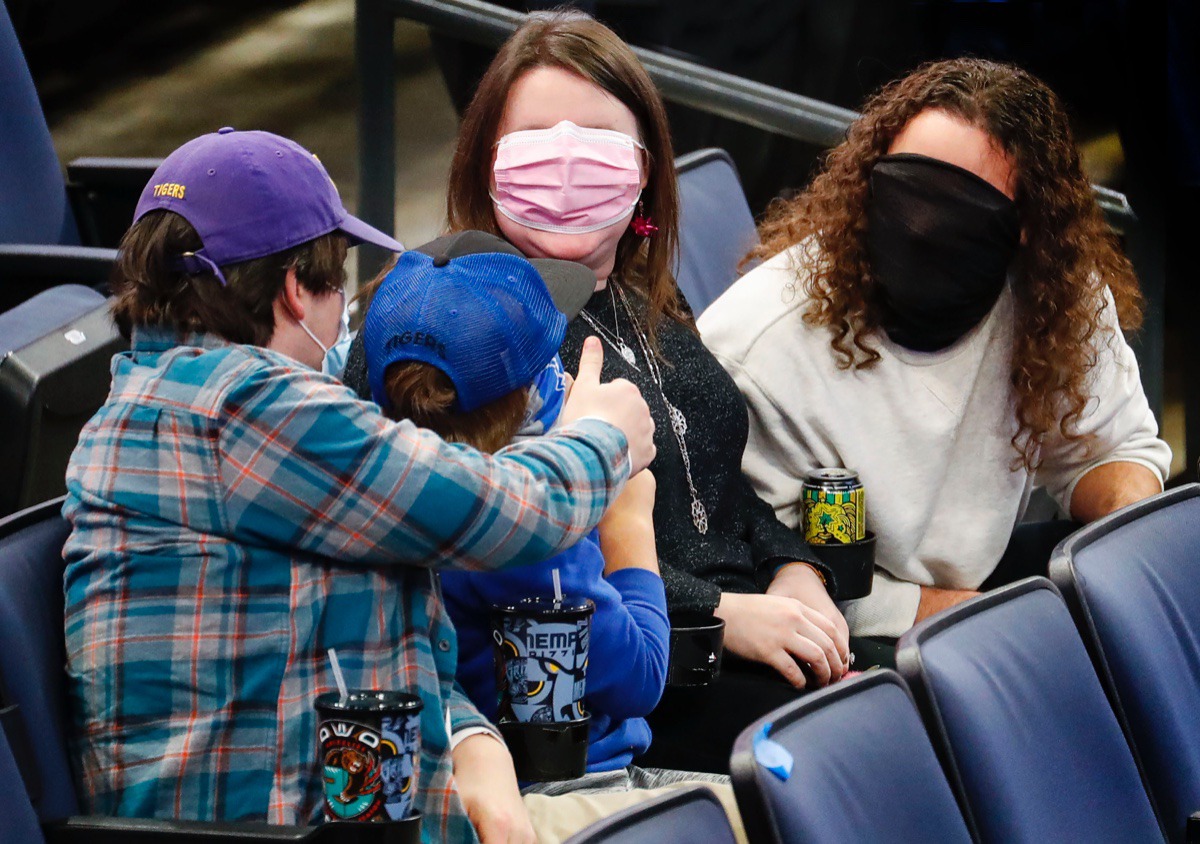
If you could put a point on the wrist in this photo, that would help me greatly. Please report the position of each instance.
(800, 573)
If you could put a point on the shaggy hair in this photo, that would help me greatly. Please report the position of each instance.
(1067, 257)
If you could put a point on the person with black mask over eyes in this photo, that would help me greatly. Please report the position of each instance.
(942, 311)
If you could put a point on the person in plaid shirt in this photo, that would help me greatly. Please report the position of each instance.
(236, 513)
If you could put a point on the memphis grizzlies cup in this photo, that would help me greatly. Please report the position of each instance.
(541, 651)
(369, 743)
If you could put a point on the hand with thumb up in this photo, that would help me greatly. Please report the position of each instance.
(619, 403)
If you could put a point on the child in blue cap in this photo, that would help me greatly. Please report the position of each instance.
(462, 337)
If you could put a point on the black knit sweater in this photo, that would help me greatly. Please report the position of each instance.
(745, 543)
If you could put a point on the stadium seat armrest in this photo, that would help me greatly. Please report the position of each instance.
(104, 193)
(62, 264)
(112, 173)
(105, 830)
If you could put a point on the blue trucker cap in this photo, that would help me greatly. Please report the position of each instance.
(470, 307)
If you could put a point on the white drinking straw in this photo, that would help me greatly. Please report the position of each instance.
(557, 586)
(338, 677)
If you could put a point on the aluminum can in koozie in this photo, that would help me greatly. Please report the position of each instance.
(369, 743)
(835, 507)
(541, 650)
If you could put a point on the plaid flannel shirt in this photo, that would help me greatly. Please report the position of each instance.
(234, 516)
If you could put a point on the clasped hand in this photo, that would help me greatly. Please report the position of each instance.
(794, 623)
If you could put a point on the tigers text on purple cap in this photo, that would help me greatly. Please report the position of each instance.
(248, 195)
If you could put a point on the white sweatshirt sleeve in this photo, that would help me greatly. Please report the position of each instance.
(1117, 423)
(889, 610)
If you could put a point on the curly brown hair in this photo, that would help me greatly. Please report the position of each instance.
(1067, 256)
(572, 41)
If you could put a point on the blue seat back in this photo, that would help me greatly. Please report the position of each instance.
(680, 817)
(32, 653)
(716, 227)
(1028, 736)
(1134, 581)
(47, 311)
(33, 196)
(863, 770)
(18, 821)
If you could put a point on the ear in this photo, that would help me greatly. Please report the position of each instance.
(645, 168)
(292, 296)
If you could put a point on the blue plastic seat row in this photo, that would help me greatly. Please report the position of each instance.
(1015, 729)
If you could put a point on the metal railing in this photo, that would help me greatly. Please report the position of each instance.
(712, 91)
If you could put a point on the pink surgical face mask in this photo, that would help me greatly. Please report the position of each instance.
(566, 179)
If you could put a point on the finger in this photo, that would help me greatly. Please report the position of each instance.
(591, 360)
(813, 655)
(782, 662)
(829, 642)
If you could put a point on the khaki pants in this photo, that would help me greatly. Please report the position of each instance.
(556, 818)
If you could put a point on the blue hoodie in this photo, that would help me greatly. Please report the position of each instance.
(627, 657)
(627, 660)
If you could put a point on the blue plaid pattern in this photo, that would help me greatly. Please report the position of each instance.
(235, 515)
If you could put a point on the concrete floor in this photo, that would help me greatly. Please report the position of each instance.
(291, 71)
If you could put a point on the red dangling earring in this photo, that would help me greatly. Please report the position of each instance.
(643, 226)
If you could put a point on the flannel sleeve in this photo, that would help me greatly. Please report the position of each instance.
(307, 465)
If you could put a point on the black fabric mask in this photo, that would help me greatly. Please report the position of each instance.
(940, 241)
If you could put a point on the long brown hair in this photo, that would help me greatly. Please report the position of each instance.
(574, 42)
(1068, 254)
(149, 290)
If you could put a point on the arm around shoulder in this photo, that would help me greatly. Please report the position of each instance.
(305, 464)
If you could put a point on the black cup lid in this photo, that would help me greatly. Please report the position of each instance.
(568, 608)
(365, 700)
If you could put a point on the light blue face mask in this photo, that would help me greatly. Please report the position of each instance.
(334, 362)
(335, 358)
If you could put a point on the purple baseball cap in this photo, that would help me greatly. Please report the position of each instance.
(248, 195)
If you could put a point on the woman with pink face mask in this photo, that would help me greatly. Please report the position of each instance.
(565, 152)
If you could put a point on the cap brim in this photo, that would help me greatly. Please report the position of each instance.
(570, 284)
(467, 242)
(360, 232)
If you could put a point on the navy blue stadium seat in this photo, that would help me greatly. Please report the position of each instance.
(56, 353)
(680, 817)
(32, 652)
(863, 770)
(1132, 581)
(1023, 727)
(33, 717)
(716, 227)
(39, 238)
(20, 823)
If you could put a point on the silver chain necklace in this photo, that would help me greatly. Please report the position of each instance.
(678, 421)
(614, 340)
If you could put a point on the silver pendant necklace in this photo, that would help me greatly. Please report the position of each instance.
(614, 339)
(679, 423)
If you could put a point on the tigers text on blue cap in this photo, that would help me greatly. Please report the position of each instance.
(486, 320)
